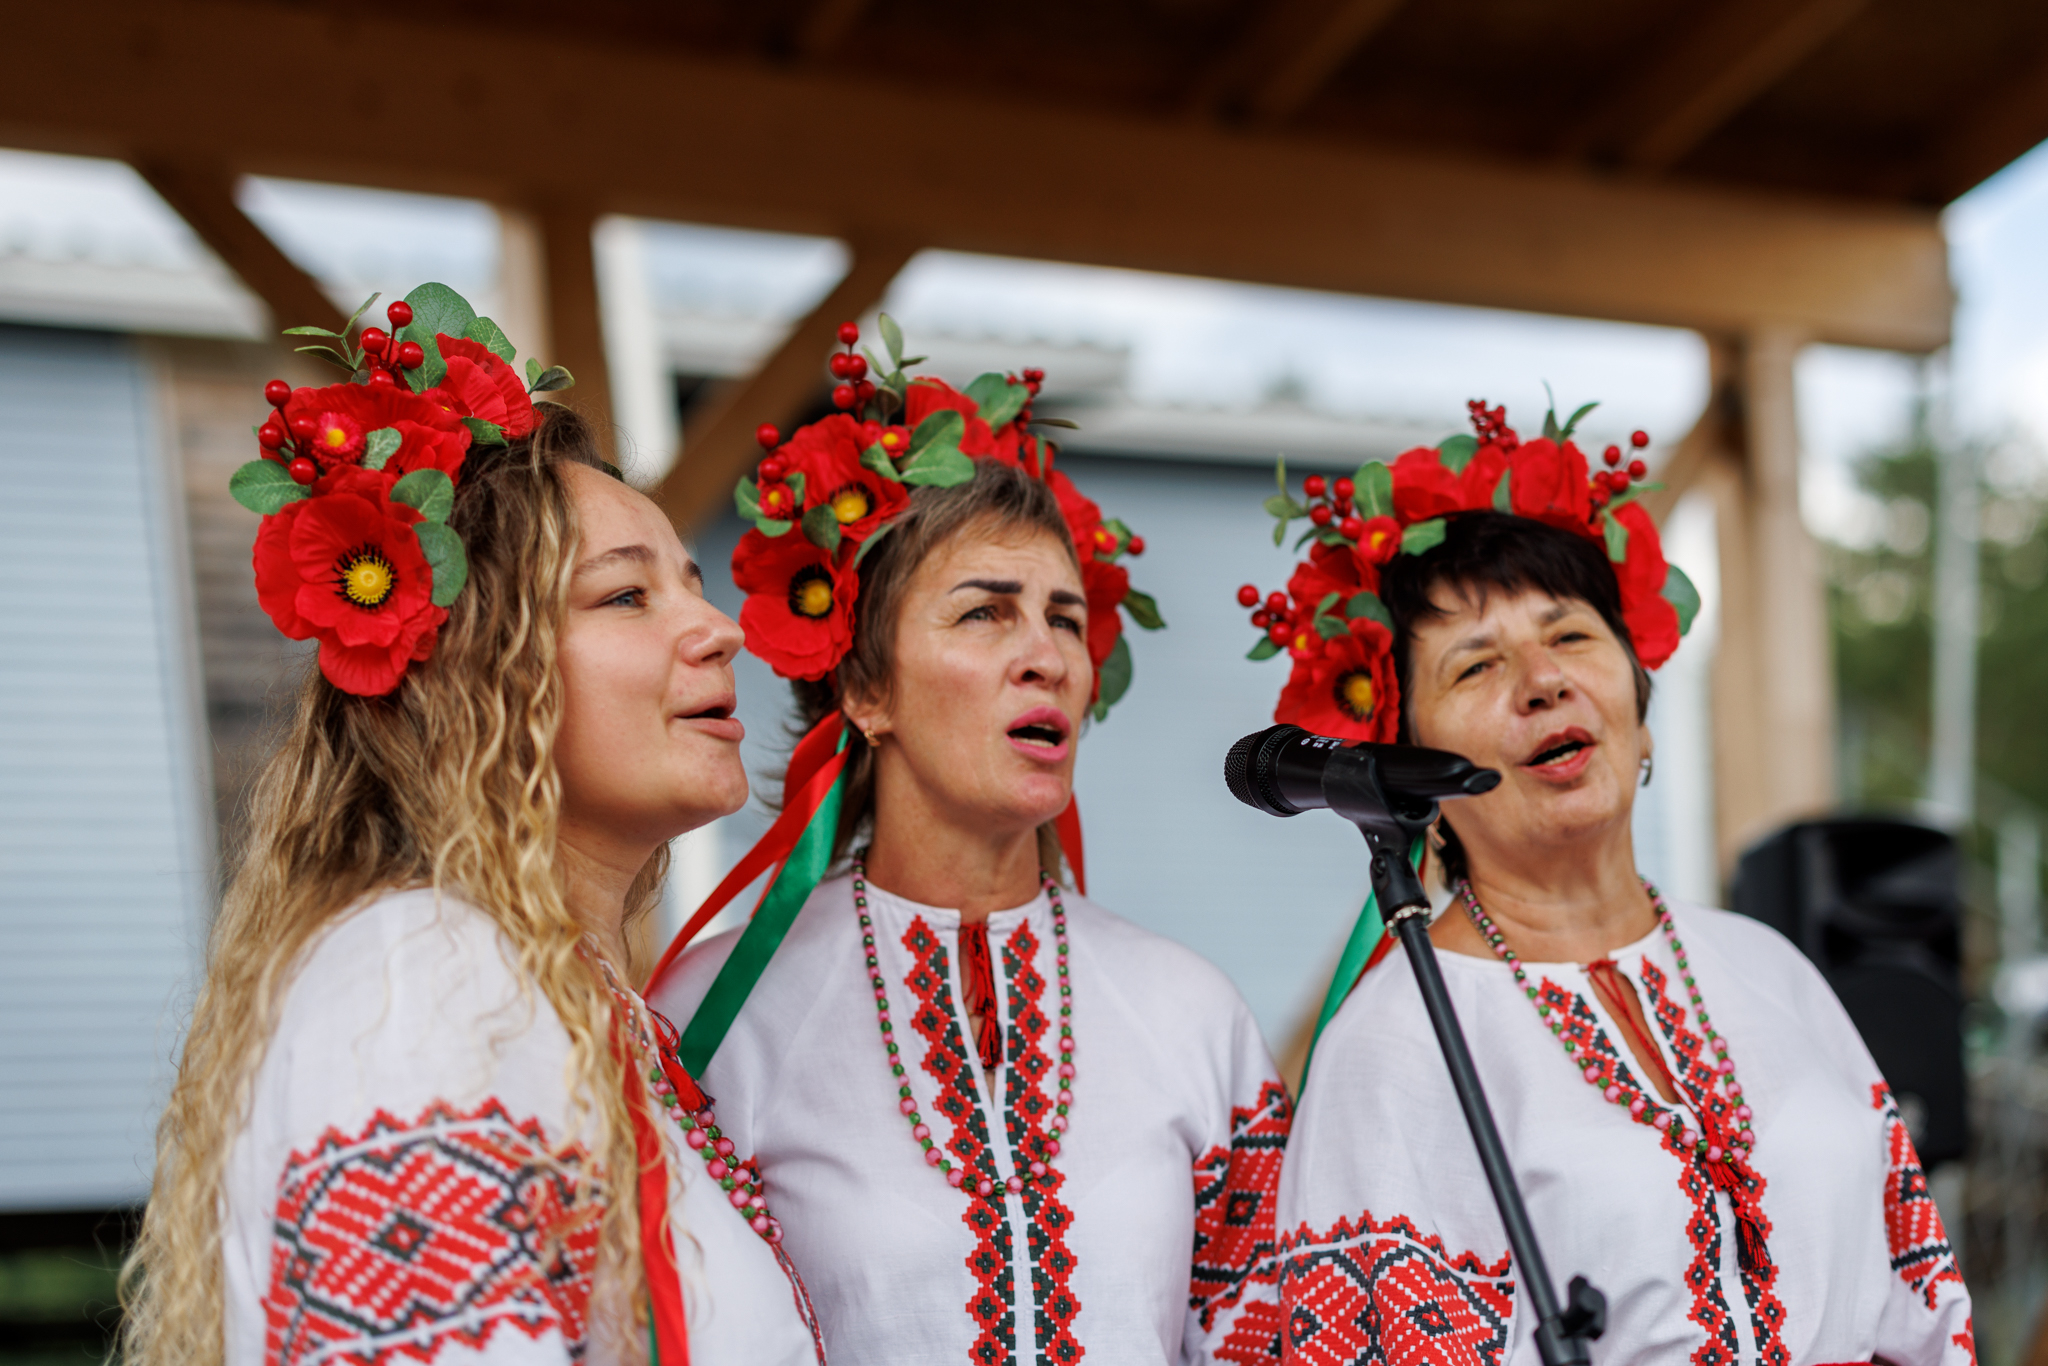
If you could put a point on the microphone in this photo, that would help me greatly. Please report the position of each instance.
(1285, 770)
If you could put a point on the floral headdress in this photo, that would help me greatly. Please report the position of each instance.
(356, 481)
(821, 500)
(1338, 633)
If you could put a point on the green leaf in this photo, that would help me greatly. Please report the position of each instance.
(985, 388)
(1329, 601)
(311, 332)
(795, 480)
(483, 432)
(492, 336)
(1550, 427)
(1501, 501)
(431, 491)
(1068, 423)
(771, 527)
(1456, 452)
(874, 539)
(1285, 508)
(1329, 535)
(1116, 675)
(1679, 592)
(262, 486)
(1422, 536)
(1366, 603)
(939, 467)
(745, 499)
(876, 459)
(1280, 473)
(1002, 403)
(821, 528)
(329, 354)
(892, 337)
(1279, 532)
(1265, 649)
(446, 556)
(1617, 537)
(532, 371)
(1331, 628)
(1572, 422)
(1144, 610)
(913, 360)
(380, 446)
(435, 309)
(1304, 538)
(357, 316)
(942, 428)
(1375, 491)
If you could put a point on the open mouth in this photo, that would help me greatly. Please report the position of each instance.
(720, 710)
(1560, 748)
(1042, 727)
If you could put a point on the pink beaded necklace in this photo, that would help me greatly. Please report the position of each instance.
(934, 1156)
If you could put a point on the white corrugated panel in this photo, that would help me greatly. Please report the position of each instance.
(104, 837)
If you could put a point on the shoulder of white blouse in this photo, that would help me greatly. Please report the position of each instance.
(1187, 993)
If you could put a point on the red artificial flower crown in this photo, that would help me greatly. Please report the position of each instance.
(356, 481)
(824, 498)
(1331, 621)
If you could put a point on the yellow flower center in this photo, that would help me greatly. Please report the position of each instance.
(810, 593)
(1355, 695)
(366, 577)
(850, 504)
(335, 437)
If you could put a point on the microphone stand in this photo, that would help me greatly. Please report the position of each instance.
(1391, 827)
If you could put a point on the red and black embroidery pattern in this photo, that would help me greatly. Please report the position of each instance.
(1382, 1294)
(1026, 1109)
(1237, 1190)
(413, 1233)
(945, 1060)
(1921, 1255)
(1696, 1076)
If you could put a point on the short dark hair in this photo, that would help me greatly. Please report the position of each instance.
(1485, 552)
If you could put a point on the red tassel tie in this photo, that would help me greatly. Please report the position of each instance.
(978, 993)
(1731, 1175)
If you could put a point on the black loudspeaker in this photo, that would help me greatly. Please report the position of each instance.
(1877, 905)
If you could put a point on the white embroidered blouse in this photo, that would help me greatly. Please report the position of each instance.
(1159, 1216)
(410, 1185)
(1391, 1247)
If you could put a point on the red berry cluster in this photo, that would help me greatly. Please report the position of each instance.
(288, 444)
(777, 499)
(1617, 477)
(854, 390)
(1034, 380)
(1491, 424)
(1329, 504)
(1273, 615)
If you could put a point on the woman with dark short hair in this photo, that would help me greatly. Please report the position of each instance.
(1003, 1124)
(1695, 1124)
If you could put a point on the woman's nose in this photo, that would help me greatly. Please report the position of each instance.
(709, 635)
(1039, 658)
(1542, 683)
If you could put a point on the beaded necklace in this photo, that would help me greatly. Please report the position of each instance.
(934, 1156)
(1638, 1104)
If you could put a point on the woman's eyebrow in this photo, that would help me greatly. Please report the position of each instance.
(637, 554)
(1004, 587)
(1067, 597)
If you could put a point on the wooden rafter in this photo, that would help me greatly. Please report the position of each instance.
(825, 25)
(203, 194)
(2005, 123)
(1287, 57)
(719, 447)
(1711, 72)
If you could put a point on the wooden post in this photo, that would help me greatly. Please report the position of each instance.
(522, 306)
(575, 323)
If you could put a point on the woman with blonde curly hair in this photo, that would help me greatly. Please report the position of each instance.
(420, 1114)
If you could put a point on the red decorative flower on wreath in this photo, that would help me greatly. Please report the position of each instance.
(1331, 621)
(345, 568)
(798, 615)
(480, 384)
(827, 454)
(343, 416)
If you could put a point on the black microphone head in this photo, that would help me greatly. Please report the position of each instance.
(1247, 772)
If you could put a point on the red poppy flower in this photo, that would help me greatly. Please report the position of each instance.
(1105, 585)
(927, 396)
(1084, 518)
(345, 568)
(1550, 484)
(430, 436)
(798, 615)
(1345, 687)
(1651, 619)
(1338, 569)
(482, 385)
(1425, 488)
(827, 454)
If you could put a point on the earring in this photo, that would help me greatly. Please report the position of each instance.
(1649, 767)
(874, 741)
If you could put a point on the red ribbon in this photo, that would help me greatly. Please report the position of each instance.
(813, 768)
(1068, 825)
(978, 992)
(657, 1252)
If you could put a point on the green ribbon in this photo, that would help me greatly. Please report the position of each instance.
(801, 873)
(1366, 934)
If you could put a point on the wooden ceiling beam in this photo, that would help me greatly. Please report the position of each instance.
(1716, 68)
(719, 447)
(1286, 57)
(202, 192)
(643, 131)
(2003, 125)
(824, 27)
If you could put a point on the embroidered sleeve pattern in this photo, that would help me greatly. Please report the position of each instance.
(1237, 1190)
(1921, 1255)
(391, 1242)
(1382, 1294)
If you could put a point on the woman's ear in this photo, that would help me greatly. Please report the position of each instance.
(867, 714)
